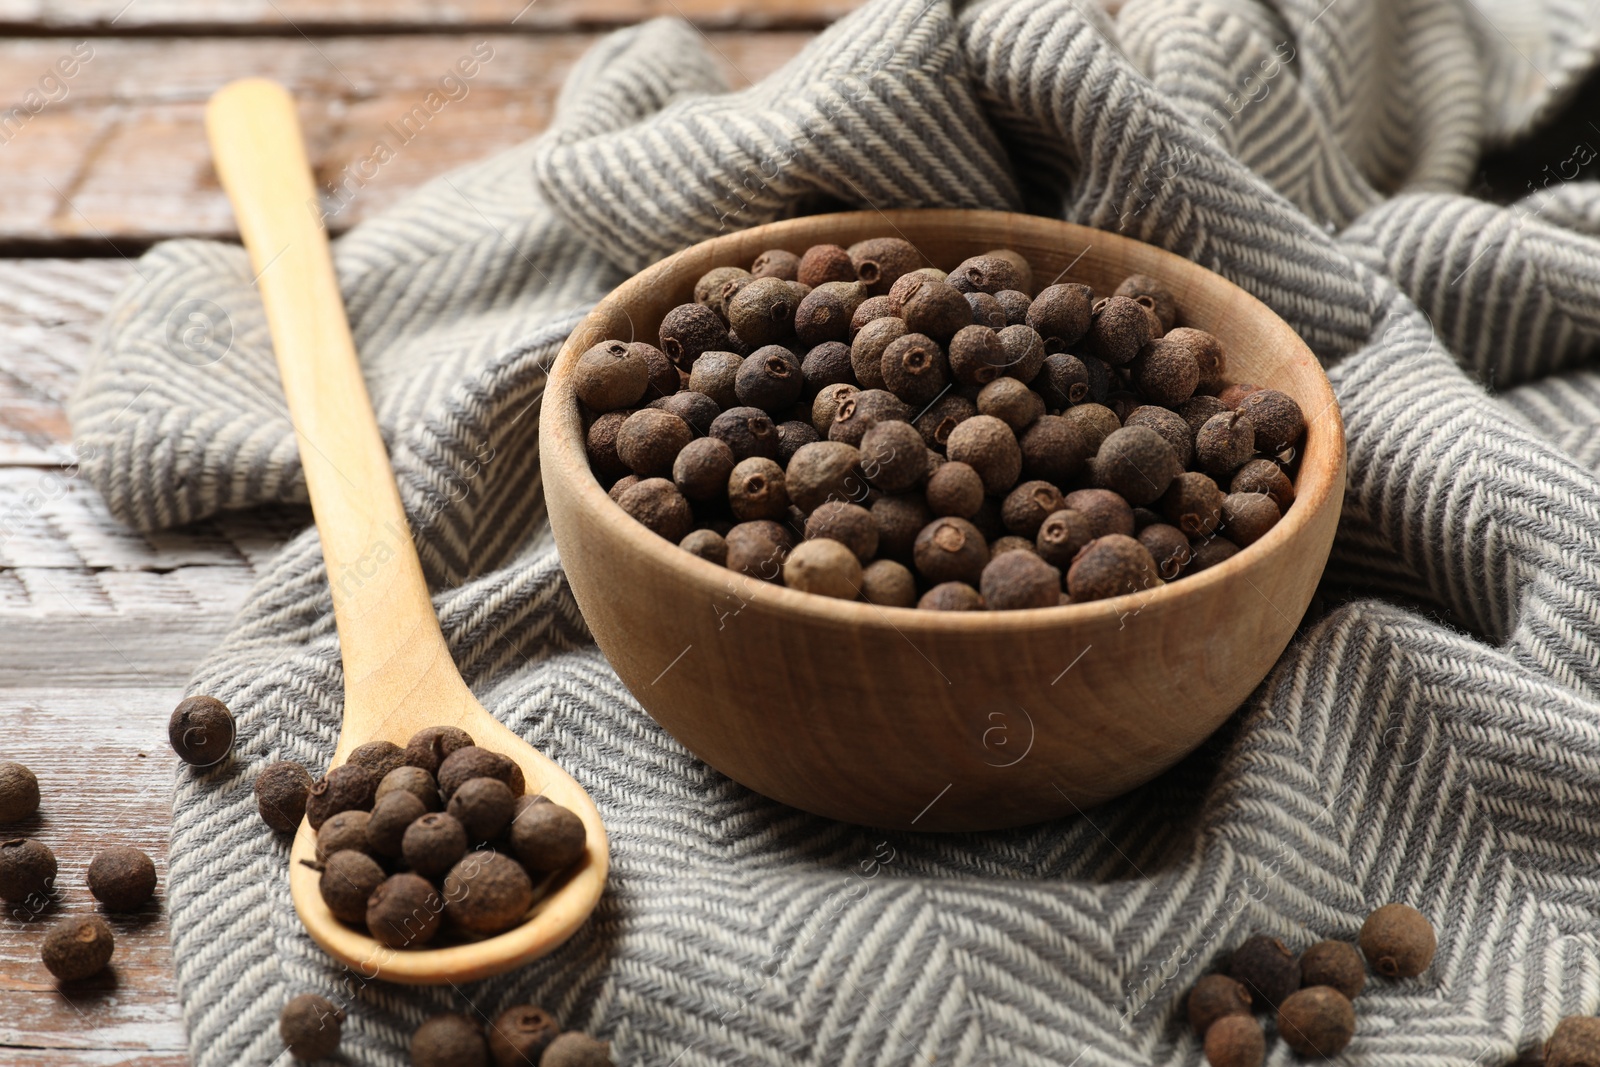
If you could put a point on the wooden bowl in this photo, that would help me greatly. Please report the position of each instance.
(895, 717)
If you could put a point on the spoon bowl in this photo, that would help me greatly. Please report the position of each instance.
(398, 673)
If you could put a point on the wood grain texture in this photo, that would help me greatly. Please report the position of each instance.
(863, 713)
(121, 156)
(376, 16)
(105, 775)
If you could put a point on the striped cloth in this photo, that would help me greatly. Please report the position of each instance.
(1433, 734)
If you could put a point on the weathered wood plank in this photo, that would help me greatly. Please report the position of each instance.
(122, 154)
(49, 310)
(105, 774)
(313, 16)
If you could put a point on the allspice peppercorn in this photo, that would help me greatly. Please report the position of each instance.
(1317, 1021)
(1224, 444)
(1118, 329)
(1214, 997)
(659, 507)
(466, 764)
(1207, 353)
(871, 309)
(27, 868)
(405, 911)
(346, 830)
(546, 837)
(1013, 403)
(650, 439)
(1193, 504)
(758, 549)
(1027, 506)
(1575, 1043)
(715, 375)
(708, 545)
(989, 447)
(756, 490)
(1060, 315)
(379, 757)
(1136, 463)
(701, 469)
(951, 550)
(1095, 422)
(826, 470)
(868, 347)
(600, 443)
(486, 893)
(78, 947)
(345, 788)
(711, 282)
(1111, 566)
(449, 1040)
(955, 489)
(888, 584)
(748, 431)
(201, 731)
(1063, 381)
(914, 368)
(1398, 941)
(348, 879)
(1246, 517)
(1168, 546)
(1106, 512)
(986, 274)
(483, 807)
(859, 413)
(826, 364)
(1236, 1041)
(976, 356)
(309, 1026)
(122, 878)
(986, 311)
(893, 456)
(573, 1049)
(1062, 535)
(1336, 964)
(1209, 552)
(391, 815)
(410, 779)
(1015, 303)
(520, 1035)
(792, 437)
(281, 790)
(882, 261)
(1266, 968)
(19, 792)
(690, 329)
(773, 263)
(1233, 395)
(849, 524)
(900, 519)
(1166, 373)
(823, 566)
(1143, 289)
(763, 312)
(1021, 579)
(610, 376)
(1053, 449)
(433, 844)
(428, 747)
(824, 313)
(935, 308)
(1264, 476)
(1023, 350)
(1010, 543)
(825, 263)
(825, 406)
(1277, 418)
(951, 596)
(1198, 409)
(1171, 427)
(769, 378)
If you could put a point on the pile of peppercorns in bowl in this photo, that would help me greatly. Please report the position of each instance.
(855, 423)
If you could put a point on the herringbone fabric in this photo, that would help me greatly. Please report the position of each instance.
(1445, 752)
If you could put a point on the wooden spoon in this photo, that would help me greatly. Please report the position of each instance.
(398, 675)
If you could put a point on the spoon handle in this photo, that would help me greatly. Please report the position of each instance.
(388, 633)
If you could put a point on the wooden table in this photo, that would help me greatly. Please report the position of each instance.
(100, 627)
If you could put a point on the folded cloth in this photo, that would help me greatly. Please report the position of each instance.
(1432, 737)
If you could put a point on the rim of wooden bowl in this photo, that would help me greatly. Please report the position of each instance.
(1320, 475)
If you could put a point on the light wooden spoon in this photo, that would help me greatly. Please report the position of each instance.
(398, 675)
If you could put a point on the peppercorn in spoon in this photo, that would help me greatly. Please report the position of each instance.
(398, 674)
